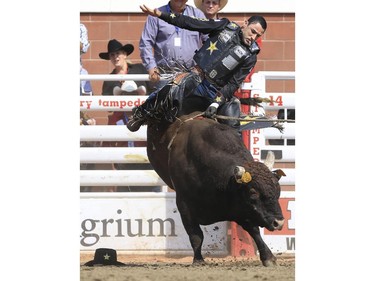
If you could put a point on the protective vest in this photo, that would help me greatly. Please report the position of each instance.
(220, 54)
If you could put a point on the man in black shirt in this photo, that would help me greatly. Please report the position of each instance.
(223, 62)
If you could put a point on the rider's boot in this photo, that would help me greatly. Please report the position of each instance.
(231, 108)
(138, 119)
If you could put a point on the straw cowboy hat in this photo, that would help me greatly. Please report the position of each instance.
(113, 46)
(198, 4)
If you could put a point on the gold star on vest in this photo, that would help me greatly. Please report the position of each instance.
(106, 256)
(212, 47)
(173, 15)
(233, 24)
(218, 99)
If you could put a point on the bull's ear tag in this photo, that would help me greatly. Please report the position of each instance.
(241, 175)
(246, 177)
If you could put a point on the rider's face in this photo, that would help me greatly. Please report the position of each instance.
(251, 32)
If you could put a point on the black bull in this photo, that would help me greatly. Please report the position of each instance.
(215, 179)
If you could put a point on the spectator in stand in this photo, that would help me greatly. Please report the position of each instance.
(164, 47)
(118, 54)
(210, 8)
(85, 87)
(84, 39)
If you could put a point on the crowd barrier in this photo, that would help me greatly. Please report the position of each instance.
(90, 217)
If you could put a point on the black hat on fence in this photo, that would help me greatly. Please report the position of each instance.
(114, 46)
(104, 256)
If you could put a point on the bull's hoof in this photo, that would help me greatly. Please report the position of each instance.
(199, 262)
(270, 263)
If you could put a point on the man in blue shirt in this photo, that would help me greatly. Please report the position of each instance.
(164, 47)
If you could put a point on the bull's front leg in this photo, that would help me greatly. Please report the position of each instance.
(266, 256)
(196, 240)
(193, 230)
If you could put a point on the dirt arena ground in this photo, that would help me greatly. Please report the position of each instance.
(160, 268)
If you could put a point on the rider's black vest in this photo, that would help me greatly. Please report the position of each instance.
(220, 54)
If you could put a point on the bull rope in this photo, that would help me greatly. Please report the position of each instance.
(173, 138)
(247, 118)
(179, 126)
(251, 118)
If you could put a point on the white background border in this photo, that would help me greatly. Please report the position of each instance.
(233, 6)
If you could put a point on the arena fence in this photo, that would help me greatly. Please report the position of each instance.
(259, 142)
(148, 222)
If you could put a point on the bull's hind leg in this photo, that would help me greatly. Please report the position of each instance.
(193, 230)
(266, 256)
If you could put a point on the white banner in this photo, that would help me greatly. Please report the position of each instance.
(149, 223)
(142, 223)
(283, 241)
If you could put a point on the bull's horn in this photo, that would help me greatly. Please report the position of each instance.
(279, 173)
(241, 175)
(270, 160)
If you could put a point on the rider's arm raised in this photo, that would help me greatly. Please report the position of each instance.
(202, 25)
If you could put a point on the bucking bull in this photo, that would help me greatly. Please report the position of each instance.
(215, 179)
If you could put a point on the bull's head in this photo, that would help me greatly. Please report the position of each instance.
(262, 192)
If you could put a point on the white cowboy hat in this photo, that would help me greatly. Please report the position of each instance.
(129, 86)
(198, 4)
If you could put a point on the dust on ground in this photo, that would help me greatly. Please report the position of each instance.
(162, 268)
